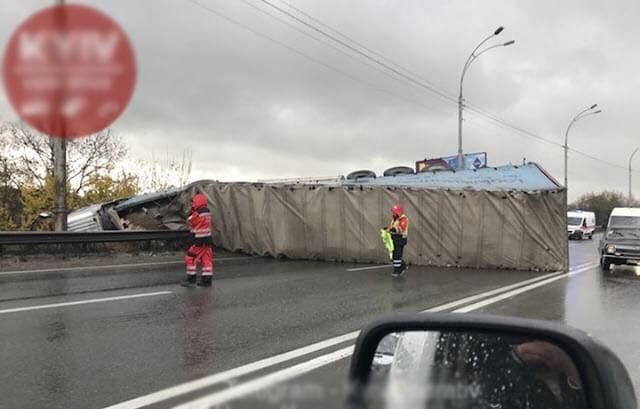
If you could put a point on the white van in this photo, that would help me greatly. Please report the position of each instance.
(581, 224)
(621, 242)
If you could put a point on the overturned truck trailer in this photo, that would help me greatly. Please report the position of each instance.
(508, 217)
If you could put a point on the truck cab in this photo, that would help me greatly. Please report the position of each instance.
(620, 244)
(580, 225)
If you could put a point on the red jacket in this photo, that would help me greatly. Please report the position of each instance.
(400, 226)
(200, 219)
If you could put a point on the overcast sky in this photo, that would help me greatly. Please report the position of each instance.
(248, 107)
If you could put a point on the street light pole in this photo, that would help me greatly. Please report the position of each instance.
(631, 175)
(59, 147)
(472, 57)
(581, 114)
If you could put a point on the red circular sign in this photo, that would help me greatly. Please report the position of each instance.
(69, 71)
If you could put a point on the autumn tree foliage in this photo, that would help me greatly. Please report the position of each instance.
(26, 174)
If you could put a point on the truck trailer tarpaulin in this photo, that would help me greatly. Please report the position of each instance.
(511, 217)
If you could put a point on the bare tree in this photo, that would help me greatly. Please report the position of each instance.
(10, 204)
(6, 169)
(169, 173)
(33, 154)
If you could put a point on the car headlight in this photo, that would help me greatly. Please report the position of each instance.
(611, 249)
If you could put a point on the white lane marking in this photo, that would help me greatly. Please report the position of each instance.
(93, 301)
(389, 266)
(476, 297)
(369, 268)
(188, 387)
(521, 290)
(219, 398)
(579, 266)
(211, 380)
(274, 378)
(112, 266)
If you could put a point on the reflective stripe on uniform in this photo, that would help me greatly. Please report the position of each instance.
(395, 224)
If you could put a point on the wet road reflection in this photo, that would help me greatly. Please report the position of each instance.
(604, 304)
(263, 309)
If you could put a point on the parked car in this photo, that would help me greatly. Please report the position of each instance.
(621, 242)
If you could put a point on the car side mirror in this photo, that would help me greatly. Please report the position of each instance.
(457, 361)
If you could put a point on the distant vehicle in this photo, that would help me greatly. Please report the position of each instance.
(621, 243)
(581, 225)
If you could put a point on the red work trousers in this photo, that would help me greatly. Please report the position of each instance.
(202, 254)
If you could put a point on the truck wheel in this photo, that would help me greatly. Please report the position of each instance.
(605, 264)
(591, 236)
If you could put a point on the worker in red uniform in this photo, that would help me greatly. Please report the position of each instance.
(399, 229)
(201, 249)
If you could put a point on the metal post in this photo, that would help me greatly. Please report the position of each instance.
(60, 175)
(581, 114)
(631, 176)
(460, 164)
(472, 57)
(60, 182)
(566, 159)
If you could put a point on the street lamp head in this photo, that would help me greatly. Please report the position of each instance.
(498, 31)
(593, 106)
(508, 43)
(597, 112)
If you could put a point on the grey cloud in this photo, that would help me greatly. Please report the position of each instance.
(250, 108)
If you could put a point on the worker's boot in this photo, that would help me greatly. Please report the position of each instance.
(397, 268)
(205, 281)
(404, 268)
(190, 282)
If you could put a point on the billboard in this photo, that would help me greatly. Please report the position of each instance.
(472, 161)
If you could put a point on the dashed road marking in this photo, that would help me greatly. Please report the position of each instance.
(81, 302)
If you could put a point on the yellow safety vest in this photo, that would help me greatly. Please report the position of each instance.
(395, 224)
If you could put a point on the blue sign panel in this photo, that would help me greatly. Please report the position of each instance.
(471, 160)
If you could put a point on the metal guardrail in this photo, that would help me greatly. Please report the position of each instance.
(22, 238)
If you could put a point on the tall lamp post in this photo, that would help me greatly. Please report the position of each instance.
(59, 148)
(582, 114)
(631, 175)
(474, 55)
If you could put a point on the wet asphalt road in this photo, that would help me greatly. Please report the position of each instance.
(111, 349)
